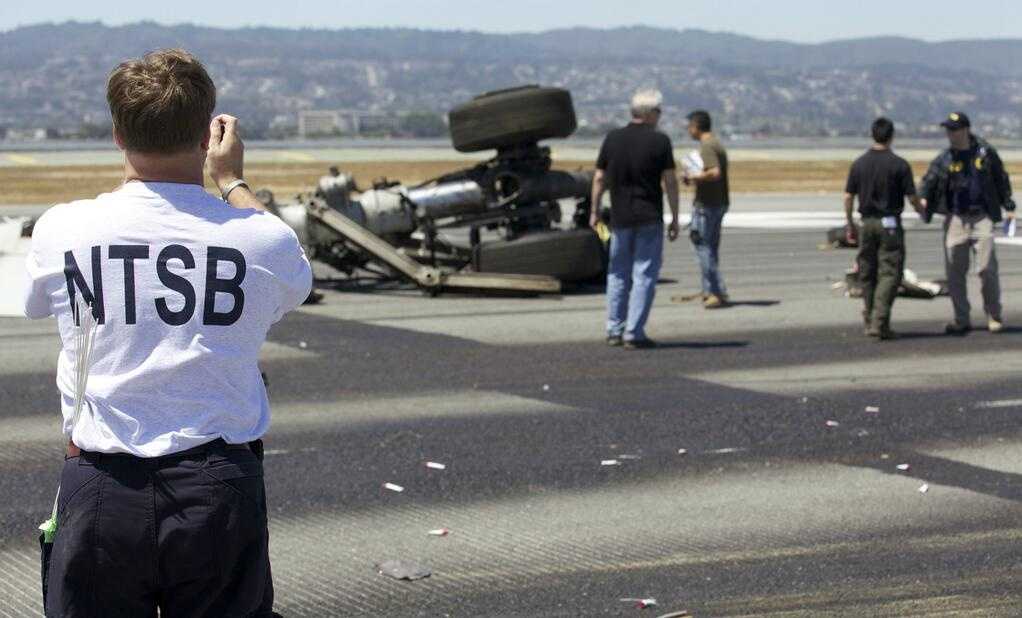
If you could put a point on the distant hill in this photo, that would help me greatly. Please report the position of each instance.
(52, 75)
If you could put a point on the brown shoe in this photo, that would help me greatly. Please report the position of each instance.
(713, 302)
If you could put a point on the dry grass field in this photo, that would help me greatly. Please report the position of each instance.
(52, 184)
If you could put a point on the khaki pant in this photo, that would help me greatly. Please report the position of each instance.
(965, 236)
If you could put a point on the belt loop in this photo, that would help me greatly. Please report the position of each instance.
(257, 448)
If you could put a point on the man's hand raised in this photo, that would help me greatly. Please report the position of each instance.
(225, 157)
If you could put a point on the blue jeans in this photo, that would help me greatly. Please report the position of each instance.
(706, 222)
(636, 254)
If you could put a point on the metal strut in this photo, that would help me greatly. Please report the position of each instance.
(426, 277)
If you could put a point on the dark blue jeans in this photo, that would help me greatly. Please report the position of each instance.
(706, 224)
(185, 533)
(636, 254)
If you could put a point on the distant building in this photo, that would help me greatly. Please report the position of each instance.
(326, 122)
(378, 123)
(26, 135)
(318, 123)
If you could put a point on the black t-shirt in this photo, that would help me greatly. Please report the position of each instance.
(965, 187)
(634, 159)
(881, 180)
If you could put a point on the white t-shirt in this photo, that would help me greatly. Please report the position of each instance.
(186, 288)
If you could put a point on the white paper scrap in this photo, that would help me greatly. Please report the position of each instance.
(640, 603)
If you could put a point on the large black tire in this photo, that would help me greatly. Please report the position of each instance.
(568, 255)
(512, 117)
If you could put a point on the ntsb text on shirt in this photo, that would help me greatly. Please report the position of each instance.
(185, 288)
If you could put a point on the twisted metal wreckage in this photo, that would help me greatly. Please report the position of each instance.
(510, 205)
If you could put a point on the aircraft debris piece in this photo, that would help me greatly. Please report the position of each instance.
(641, 603)
(510, 206)
(401, 569)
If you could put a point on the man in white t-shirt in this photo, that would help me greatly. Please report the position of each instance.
(162, 504)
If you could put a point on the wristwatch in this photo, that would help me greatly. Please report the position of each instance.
(231, 187)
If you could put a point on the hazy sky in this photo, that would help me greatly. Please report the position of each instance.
(795, 20)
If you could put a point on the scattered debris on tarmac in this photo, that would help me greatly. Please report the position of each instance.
(641, 603)
(400, 569)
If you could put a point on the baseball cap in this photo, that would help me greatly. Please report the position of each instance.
(956, 120)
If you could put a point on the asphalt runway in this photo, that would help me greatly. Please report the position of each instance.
(786, 502)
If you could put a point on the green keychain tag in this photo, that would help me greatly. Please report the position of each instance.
(49, 528)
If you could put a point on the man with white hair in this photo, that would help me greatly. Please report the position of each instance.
(636, 163)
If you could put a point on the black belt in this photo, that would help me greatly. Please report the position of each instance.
(256, 446)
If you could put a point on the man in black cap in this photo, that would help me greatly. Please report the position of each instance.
(967, 183)
(881, 180)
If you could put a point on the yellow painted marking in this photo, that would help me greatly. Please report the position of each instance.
(21, 159)
(292, 155)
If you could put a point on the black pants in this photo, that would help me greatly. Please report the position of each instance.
(185, 533)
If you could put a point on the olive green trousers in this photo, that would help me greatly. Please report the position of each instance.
(881, 265)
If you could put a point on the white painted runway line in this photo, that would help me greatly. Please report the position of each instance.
(1000, 403)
